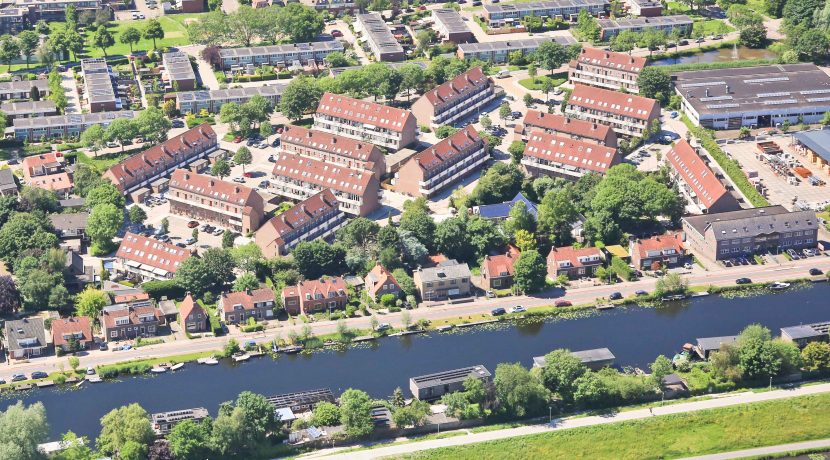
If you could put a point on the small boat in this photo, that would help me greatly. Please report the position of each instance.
(289, 350)
(158, 370)
(239, 358)
(673, 298)
(93, 378)
(80, 384)
(444, 328)
(607, 306)
(176, 366)
(208, 361)
(779, 286)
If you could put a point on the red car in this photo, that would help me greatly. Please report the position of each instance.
(237, 139)
(248, 174)
(563, 303)
(192, 224)
(422, 8)
(336, 33)
(279, 130)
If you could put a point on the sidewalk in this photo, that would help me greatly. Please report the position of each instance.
(781, 448)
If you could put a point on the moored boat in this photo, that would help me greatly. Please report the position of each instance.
(777, 286)
(158, 370)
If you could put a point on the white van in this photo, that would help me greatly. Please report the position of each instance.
(503, 74)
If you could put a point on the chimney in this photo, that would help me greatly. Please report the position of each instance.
(333, 140)
(248, 291)
(567, 121)
(211, 183)
(594, 126)
(607, 55)
(186, 176)
(309, 134)
(727, 89)
(236, 189)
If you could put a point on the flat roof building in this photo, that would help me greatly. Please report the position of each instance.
(100, 90)
(817, 147)
(697, 181)
(433, 386)
(163, 422)
(278, 55)
(213, 100)
(706, 345)
(645, 8)
(451, 26)
(499, 14)
(803, 334)
(596, 358)
(14, 20)
(499, 51)
(71, 126)
(455, 100)
(606, 69)
(302, 401)
(377, 35)
(29, 109)
(627, 114)
(609, 28)
(558, 156)
(178, 72)
(22, 89)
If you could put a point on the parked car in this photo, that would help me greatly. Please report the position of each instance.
(336, 33)
(271, 159)
(518, 309)
(18, 377)
(562, 303)
(743, 281)
(190, 240)
(640, 292)
(275, 142)
(237, 139)
(239, 179)
(181, 245)
(516, 115)
(192, 224)
(218, 231)
(112, 145)
(615, 296)
(490, 294)
(265, 184)
(382, 327)
(248, 174)
(815, 272)
(39, 375)
(90, 370)
(683, 42)
(498, 311)
(102, 346)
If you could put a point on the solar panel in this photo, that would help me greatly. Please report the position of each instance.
(818, 99)
(716, 98)
(783, 93)
(815, 91)
(766, 80)
(706, 83)
(722, 106)
(780, 102)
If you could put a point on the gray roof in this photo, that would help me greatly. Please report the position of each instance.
(450, 269)
(714, 343)
(447, 377)
(511, 45)
(530, 7)
(72, 202)
(817, 141)
(595, 355)
(22, 329)
(733, 92)
(330, 46)
(24, 85)
(178, 67)
(451, 20)
(232, 93)
(747, 223)
(69, 221)
(803, 331)
(75, 119)
(395, 65)
(98, 83)
(28, 107)
(378, 33)
(7, 181)
(645, 23)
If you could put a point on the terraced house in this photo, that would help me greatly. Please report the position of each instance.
(100, 90)
(609, 28)
(213, 100)
(627, 114)
(333, 148)
(62, 126)
(499, 51)
(376, 34)
(698, 181)
(237, 307)
(309, 296)
(384, 126)
(451, 26)
(178, 73)
(316, 217)
(22, 89)
(498, 15)
(55, 10)
(128, 321)
(208, 199)
(278, 55)
(147, 258)
(606, 69)
(557, 156)
(455, 100)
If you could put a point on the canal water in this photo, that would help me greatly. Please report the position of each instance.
(635, 335)
(719, 55)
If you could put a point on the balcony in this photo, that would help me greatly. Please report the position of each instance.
(556, 168)
(463, 108)
(452, 174)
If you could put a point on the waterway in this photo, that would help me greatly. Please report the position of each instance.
(635, 335)
(719, 55)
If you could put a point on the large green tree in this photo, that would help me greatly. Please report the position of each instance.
(498, 184)
(22, 428)
(530, 270)
(210, 272)
(130, 36)
(356, 413)
(124, 425)
(28, 41)
(299, 97)
(154, 31)
(190, 440)
(560, 372)
(519, 391)
(317, 258)
(103, 224)
(103, 39)
(654, 82)
(90, 303)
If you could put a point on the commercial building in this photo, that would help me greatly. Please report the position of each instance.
(24, 338)
(573, 128)
(451, 26)
(193, 316)
(816, 145)
(443, 164)
(606, 69)
(208, 199)
(62, 126)
(237, 307)
(163, 422)
(609, 28)
(497, 271)
(298, 178)
(750, 231)
(333, 148)
(22, 89)
(278, 55)
(310, 296)
(148, 258)
(574, 262)
(501, 211)
(645, 8)
(756, 97)
(128, 321)
(28, 109)
(379, 282)
(555, 156)
(456, 99)
(433, 386)
(657, 251)
(72, 334)
(498, 52)
(804, 334)
(449, 279)
(137, 172)
(178, 74)
(318, 216)
(100, 86)
(498, 15)
(379, 124)
(47, 171)
(55, 10)
(376, 34)
(627, 114)
(697, 181)
(213, 100)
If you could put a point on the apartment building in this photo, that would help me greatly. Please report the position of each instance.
(55, 10)
(310, 296)
(384, 126)
(147, 258)
(62, 126)
(574, 262)
(376, 34)
(318, 216)
(562, 126)
(298, 178)
(278, 55)
(744, 232)
(606, 69)
(140, 170)
(208, 199)
(47, 171)
(609, 28)
(15, 20)
(627, 114)
(178, 74)
(22, 89)
(333, 148)
(237, 307)
(451, 27)
(697, 181)
(449, 279)
(28, 109)
(498, 15)
(213, 100)
(334, 6)
(557, 156)
(657, 251)
(499, 52)
(128, 321)
(442, 165)
(455, 100)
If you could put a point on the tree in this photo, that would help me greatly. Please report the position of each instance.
(504, 112)
(260, 418)
(518, 391)
(124, 425)
(228, 435)
(121, 130)
(74, 448)
(801, 12)
(103, 224)
(25, 232)
(74, 42)
(93, 138)
(153, 31)
(137, 215)
(816, 356)
(325, 414)
(153, 125)
(22, 428)
(653, 81)
(300, 96)
(38, 199)
(90, 303)
(812, 45)
(591, 390)
(356, 413)
(530, 271)
(246, 281)
(624, 41)
(210, 272)
(586, 26)
(498, 184)
(519, 218)
(317, 258)
(413, 415)
(9, 296)
(130, 36)
(551, 55)
(28, 41)
(672, 283)
(412, 77)
(560, 372)
(416, 219)
(105, 193)
(485, 121)
(299, 23)
(243, 157)
(528, 100)
(660, 368)
(9, 50)
(228, 238)
(103, 39)
(220, 168)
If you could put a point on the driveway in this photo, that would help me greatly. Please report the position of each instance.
(205, 70)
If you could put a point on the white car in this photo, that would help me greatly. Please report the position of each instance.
(518, 309)
(239, 179)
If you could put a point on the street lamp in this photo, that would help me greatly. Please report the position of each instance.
(550, 415)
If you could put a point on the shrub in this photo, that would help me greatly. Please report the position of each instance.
(159, 289)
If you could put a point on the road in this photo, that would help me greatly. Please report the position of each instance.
(577, 422)
(769, 450)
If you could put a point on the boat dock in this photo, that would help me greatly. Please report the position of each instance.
(45, 383)
(607, 306)
(477, 323)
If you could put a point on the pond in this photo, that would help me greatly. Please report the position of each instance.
(734, 53)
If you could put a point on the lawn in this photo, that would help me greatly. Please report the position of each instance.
(102, 162)
(671, 436)
(536, 83)
(713, 27)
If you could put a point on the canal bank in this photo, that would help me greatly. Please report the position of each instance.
(635, 335)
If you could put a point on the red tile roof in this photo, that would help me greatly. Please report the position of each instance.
(612, 60)
(123, 298)
(211, 187)
(132, 312)
(156, 254)
(561, 124)
(447, 150)
(361, 111)
(577, 257)
(324, 286)
(246, 298)
(326, 142)
(603, 100)
(502, 264)
(301, 214)
(189, 306)
(43, 160)
(378, 277)
(80, 326)
(458, 86)
(696, 173)
(338, 178)
(571, 152)
(658, 243)
(59, 181)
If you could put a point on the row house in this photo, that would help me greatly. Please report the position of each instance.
(627, 114)
(178, 74)
(456, 99)
(574, 262)
(28, 109)
(379, 282)
(555, 156)
(298, 178)
(657, 251)
(449, 279)
(237, 307)
(47, 171)
(24, 338)
(22, 89)
(77, 329)
(310, 296)
(192, 316)
(451, 26)
(278, 55)
(499, 52)
(55, 10)
(317, 217)
(15, 20)
(573, 128)
(376, 34)
(698, 182)
(606, 69)
(384, 126)
(498, 15)
(140, 170)
(334, 6)
(609, 28)
(100, 91)
(148, 258)
(442, 165)
(207, 199)
(62, 126)
(497, 271)
(744, 232)
(333, 148)
(132, 320)
(213, 100)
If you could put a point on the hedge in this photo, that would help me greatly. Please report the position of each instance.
(165, 288)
